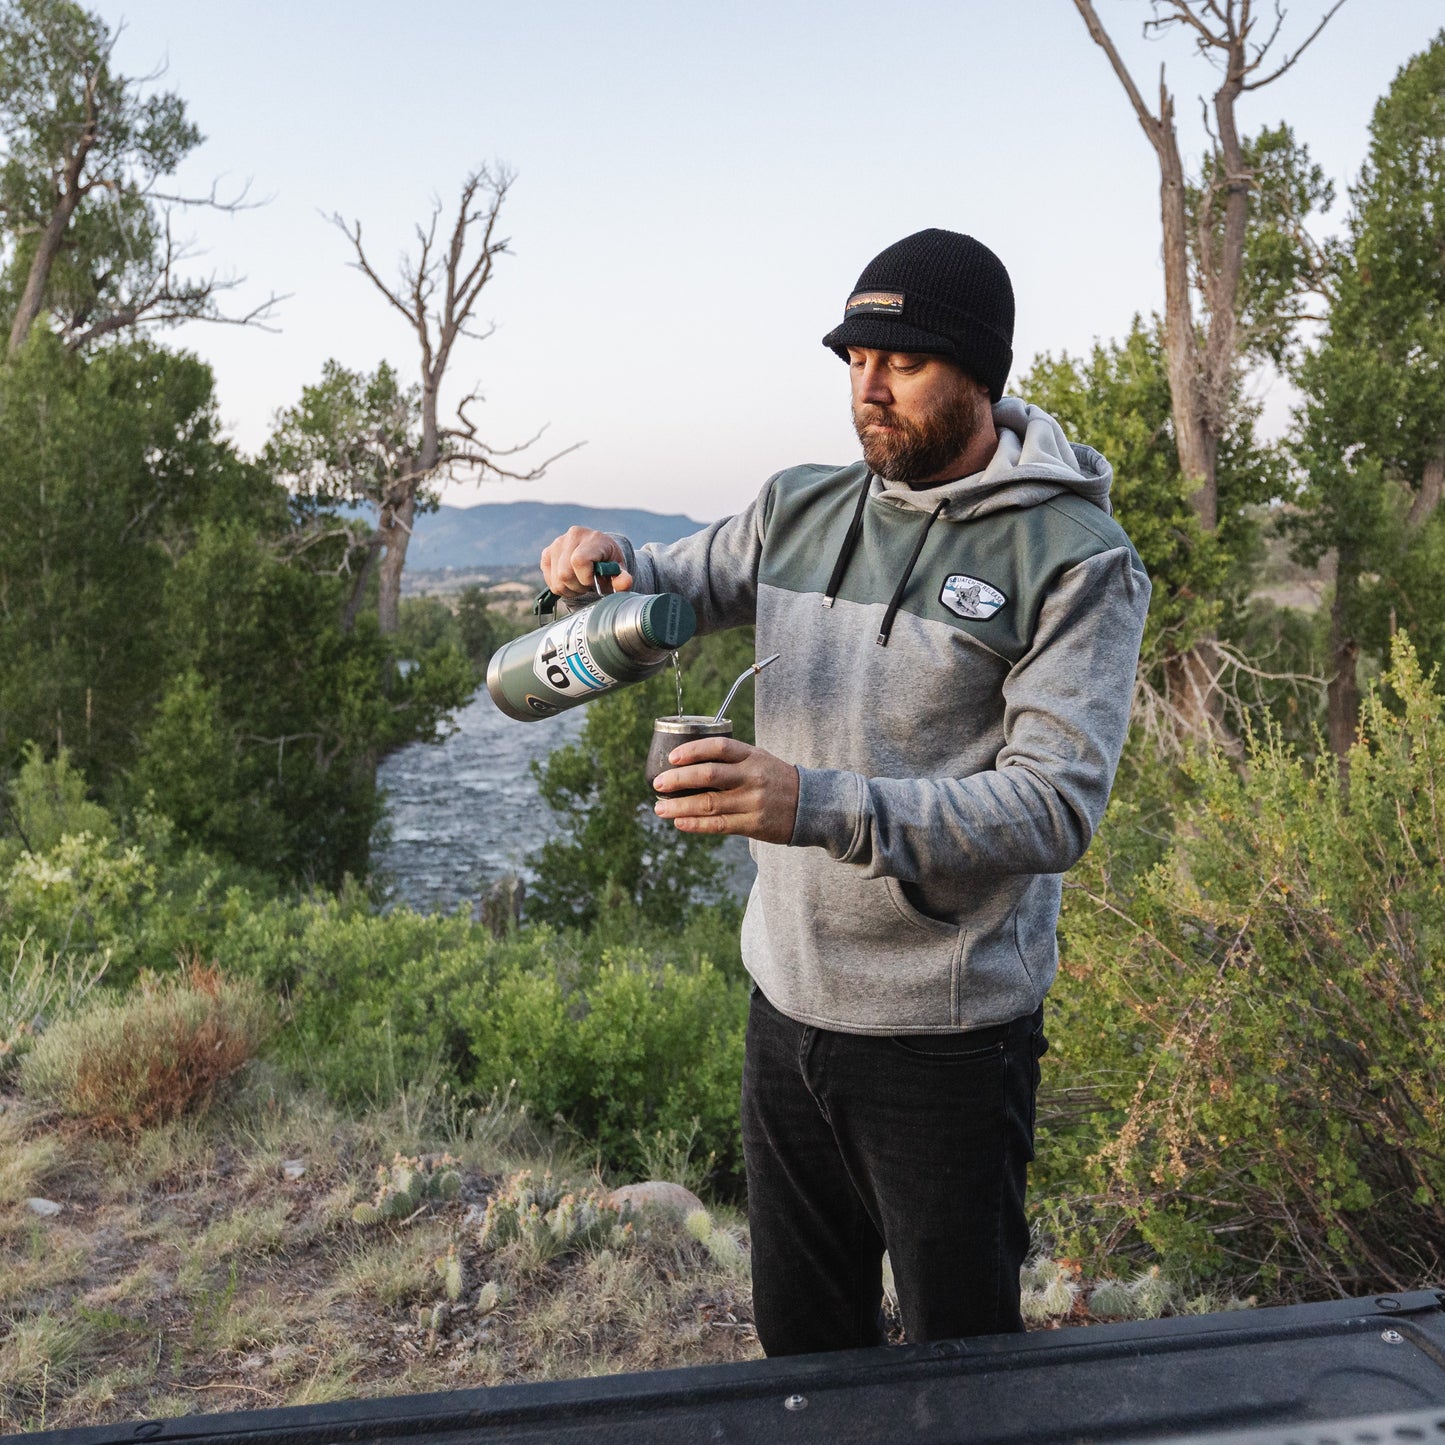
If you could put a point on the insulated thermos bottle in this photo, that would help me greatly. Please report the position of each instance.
(598, 644)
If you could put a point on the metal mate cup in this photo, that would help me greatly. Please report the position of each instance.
(671, 732)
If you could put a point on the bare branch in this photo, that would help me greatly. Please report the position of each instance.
(1290, 60)
(165, 300)
(352, 232)
(1183, 14)
(1262, 50)
(1147, 118)
(211, 202)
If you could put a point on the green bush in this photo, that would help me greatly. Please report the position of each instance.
(77, 884)
(1258, 1020)
(624, 1031)
(639, 1048)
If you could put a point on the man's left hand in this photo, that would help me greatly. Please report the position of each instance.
(749, 791)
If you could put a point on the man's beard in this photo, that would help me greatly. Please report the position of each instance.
(914, 450)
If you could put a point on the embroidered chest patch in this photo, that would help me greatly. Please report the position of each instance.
(969, 597)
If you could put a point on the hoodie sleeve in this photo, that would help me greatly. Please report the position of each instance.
(1066, 713)
(715, 569)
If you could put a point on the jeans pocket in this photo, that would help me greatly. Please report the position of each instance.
(966, 1048)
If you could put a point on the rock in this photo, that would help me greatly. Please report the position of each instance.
(293, 1168)
(501, 909)
(656, 1194)
(474, 1216)
(46, 1208)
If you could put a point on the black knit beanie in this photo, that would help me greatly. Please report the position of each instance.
(936, 292)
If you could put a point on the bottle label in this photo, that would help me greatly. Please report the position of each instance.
(564, 661)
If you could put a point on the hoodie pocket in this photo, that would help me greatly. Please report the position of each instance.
(915, 916)
(850, 952)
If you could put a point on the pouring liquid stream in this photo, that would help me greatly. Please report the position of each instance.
(677, 674)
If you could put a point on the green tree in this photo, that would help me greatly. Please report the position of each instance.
(106, 466)
(483, 628)
(351, 442)
(85, 232)
(265, 742)
(1118, 400)
(162, 620)
(1371, 433)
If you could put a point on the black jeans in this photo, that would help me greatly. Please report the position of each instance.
(913, 1143)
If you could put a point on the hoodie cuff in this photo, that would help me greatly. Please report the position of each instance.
(830, 811)
(632, 560)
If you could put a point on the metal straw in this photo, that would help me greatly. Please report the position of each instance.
(722, 712)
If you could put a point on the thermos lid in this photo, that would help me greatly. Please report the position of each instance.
(668, 620)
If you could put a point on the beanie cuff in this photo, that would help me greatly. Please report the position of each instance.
(981, 353)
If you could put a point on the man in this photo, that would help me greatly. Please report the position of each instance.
(959, 620)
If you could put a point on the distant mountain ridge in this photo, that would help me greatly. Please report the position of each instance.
(512, 534)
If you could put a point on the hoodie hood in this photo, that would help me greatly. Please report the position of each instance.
(1034, 461)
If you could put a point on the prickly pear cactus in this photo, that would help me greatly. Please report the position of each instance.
(549, 1222)
(449, 1267)
(492, 1296)
(406, 1185)
(720, 1244)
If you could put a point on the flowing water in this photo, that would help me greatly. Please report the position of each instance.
(466, 812)
(677, 673)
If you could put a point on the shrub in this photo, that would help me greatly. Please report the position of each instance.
(152, 1055)
(626, 1031)
(36, 988)
(1260, 1017)
(76, 882)
(640, 1047)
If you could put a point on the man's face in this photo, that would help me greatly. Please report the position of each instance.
(916, 415)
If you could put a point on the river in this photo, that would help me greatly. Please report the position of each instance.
(465, 812)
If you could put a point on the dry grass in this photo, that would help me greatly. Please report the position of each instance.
(188, 1273)
(27, 1159)
(160, 1052)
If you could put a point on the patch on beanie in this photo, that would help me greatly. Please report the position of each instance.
(875, 303)
(969, 597)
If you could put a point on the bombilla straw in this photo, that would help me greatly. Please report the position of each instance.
(722, 712)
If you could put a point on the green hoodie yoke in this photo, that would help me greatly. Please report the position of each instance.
(1020, 552)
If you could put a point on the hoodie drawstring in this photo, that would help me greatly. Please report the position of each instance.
(886, 629)
(850, 541)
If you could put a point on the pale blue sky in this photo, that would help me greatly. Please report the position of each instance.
(697, 189)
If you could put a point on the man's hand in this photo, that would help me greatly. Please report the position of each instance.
(750, 791)
(567, 562)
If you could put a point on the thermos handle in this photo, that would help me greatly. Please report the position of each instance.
(547, 599)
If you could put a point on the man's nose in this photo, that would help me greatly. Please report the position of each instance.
(873, 384)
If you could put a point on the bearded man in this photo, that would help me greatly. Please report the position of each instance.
(959, 619)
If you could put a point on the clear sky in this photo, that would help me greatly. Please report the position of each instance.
(697, 188)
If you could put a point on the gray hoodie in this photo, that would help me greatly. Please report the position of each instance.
(956, 675)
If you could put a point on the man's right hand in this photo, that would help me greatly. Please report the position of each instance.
(567, 562)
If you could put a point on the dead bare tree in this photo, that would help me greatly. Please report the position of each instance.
(438, 296)
(1204, 259)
